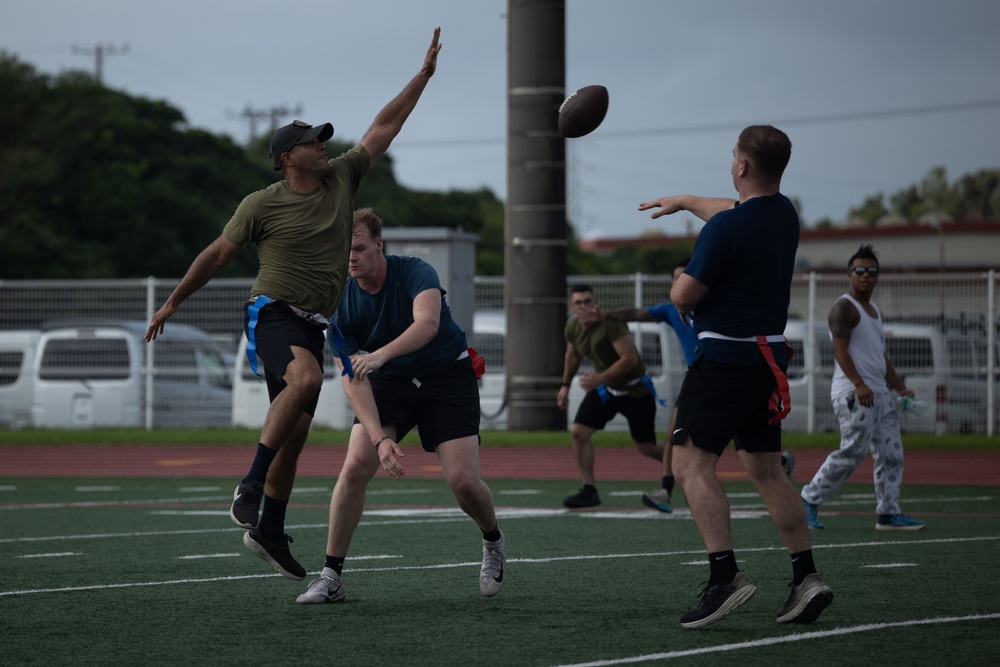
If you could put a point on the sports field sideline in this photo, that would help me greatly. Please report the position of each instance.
(138, 563)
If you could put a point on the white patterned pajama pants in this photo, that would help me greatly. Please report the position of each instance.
(862, 429)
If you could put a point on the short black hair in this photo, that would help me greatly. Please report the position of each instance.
(864, 252)
(581, 287)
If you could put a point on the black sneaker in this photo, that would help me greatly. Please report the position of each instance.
(718, 600)
(585, 497)
(246, 504)
(276, 554)
(806, 601)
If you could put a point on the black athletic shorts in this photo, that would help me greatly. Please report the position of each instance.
(443, 406)
(278, 329)
(639, 412)
(720, 403)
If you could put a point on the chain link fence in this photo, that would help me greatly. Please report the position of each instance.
(942, 332)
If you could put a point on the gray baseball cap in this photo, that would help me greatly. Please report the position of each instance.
(297, 132)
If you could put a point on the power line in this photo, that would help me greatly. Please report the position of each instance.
(845, 117)
(817, 120)
(99, 51)
(254, 116)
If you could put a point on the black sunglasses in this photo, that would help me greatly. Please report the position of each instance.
(861, 270)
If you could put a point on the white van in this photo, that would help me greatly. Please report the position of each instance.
(810, 374)
(250, 400)
(945, 366)
(93, 373)
(656, 342)
(17, 360)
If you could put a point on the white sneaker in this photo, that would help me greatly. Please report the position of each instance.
(658, 500)
(322, 590)
(492, 573)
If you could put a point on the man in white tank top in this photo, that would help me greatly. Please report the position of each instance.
(862, 377)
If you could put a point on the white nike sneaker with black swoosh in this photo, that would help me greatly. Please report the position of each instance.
(323, 590)
(491, 575)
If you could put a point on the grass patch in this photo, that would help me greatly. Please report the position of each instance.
(151, 571)
(490, 438)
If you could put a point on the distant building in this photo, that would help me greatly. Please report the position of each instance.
(950, 246)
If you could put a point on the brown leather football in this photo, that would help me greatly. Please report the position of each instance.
(583, 111)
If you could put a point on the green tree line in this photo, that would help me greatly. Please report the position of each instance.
(96, 183)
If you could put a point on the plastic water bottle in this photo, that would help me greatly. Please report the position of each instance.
(913, 406)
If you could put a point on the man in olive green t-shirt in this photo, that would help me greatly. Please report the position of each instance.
(302, 228)
(615, 385)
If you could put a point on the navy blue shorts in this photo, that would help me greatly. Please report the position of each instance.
(278, 329)
(443, 406)
(720, 403)
(639, 412)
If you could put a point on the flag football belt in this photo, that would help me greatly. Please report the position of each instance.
(780, 402)
(253, 311)
(606, 393)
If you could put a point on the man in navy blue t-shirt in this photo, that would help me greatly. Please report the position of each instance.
(737, 289)
(410, 368)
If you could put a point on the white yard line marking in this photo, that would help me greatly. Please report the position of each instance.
(199, 556)
(443, 566)
(190, 512)
(771, 641)
(51, 555)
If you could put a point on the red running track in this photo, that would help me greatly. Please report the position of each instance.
(921, 467)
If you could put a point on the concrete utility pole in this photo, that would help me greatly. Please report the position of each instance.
(99, 51)
(274, 114)
(535, 230)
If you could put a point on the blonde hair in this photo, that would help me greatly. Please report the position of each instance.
(368, 219)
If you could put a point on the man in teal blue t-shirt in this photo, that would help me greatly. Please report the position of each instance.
(411, 369)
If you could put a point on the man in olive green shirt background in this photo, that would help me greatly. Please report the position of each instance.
(618, 384)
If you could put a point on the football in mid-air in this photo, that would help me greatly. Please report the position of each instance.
(583, 111)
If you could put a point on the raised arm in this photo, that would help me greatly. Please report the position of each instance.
(703, 207)
(390, 119)
(219, 253)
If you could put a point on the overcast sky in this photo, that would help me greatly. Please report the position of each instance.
(872, 93)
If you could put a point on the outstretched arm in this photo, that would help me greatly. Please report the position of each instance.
(629, 315)
(206, 264)
(390, 119)
(703, 207)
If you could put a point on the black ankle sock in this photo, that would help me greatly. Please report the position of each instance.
(802, 565)
(261, 463)
(722, 567)
(493, 535)
(668, 484)
(334, 563)
(272, 518)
